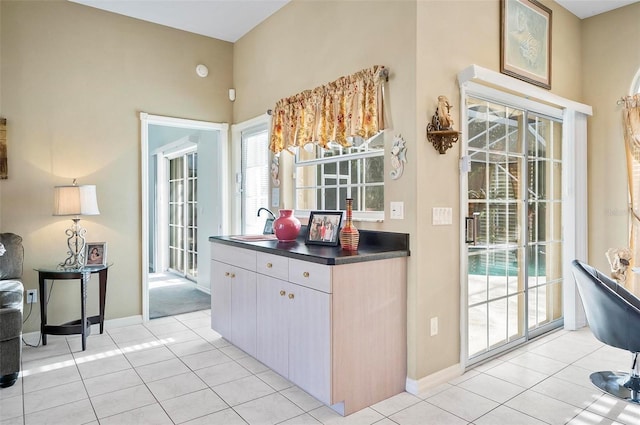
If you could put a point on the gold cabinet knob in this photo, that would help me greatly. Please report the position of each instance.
(305, 274)
(269, 265)
(282, 293)
(226, 274)
(290, 296)
(233, 275)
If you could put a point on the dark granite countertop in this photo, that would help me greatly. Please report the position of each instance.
(373, 246)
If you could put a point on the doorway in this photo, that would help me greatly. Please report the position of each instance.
(513, 226)
(182, 205)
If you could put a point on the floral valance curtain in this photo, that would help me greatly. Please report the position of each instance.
(350, 106)
(631, 123)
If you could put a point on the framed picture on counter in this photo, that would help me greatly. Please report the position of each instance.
(324, 228)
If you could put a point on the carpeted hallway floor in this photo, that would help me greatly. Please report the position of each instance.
(171, 295)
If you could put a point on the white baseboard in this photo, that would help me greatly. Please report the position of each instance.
(34, 337)
(416, 387)
(122, 321)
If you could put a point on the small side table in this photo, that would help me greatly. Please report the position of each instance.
(82, 326)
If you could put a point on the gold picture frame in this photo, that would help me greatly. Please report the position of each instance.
(525, 41)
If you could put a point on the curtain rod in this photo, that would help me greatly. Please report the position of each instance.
(384, 73)
(623, 99)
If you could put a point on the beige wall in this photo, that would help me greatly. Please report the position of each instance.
(610, 61)
(442, 52)
(309, 43)
(74, 80)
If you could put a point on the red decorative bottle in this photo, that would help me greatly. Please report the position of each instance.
(287, 226)
(349, 235)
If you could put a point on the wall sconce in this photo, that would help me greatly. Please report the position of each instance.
(75, 200)
(440, 130)
(232, 94)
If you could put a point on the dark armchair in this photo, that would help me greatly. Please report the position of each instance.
(613, 314)
(11, 292)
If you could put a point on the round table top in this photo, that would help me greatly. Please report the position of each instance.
(58, 269)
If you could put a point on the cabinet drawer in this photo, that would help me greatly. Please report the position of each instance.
(311, 275)
(244, 258)
(273, 265)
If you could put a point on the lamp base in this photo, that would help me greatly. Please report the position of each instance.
(76, 243)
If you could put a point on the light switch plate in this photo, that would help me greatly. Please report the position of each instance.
(397, 210)
(442, 216)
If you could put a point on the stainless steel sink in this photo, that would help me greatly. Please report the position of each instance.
(254, 238)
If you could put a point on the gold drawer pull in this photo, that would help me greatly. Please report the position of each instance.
(290, 296)
(233, 275)
(305, 274)
(282, 293)
(226, 274)
(269, 265)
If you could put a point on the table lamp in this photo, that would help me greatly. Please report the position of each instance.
(75, 200)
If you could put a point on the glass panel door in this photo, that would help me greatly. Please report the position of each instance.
(183, 223)
(505, 201)
(544, 213)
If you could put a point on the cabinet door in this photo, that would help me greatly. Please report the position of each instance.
(310, 341)
(273, 323)
(243, 309)
(221, 299)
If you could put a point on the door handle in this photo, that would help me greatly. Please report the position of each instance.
(471, 229)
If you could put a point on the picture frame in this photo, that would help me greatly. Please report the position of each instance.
(95, 254)
(525, 41)
(323, 228)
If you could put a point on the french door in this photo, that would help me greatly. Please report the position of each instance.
(183, 215)
(513, 229)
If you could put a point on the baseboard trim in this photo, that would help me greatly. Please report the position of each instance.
(123, 321)
(416, 387)
(34, 337)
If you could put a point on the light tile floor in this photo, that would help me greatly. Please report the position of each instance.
(177, 370)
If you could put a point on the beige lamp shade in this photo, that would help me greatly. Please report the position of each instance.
(75, 200)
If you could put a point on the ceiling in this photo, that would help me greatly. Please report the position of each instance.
(226, 20)
(229, 20)
(587, 8)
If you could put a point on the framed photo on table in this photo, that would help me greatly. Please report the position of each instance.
(525, 41)
(324, 228)
(95, 254)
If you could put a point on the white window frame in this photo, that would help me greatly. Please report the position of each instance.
(236, 137)
(374, 216)
(635, 84)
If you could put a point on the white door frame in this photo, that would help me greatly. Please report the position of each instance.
(574, 176)
(147, 120)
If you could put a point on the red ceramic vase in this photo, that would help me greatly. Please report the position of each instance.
(287, 226)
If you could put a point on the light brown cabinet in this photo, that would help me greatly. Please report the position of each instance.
(338, 332)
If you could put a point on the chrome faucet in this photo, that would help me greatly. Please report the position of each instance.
(268, 225)
(267, 210)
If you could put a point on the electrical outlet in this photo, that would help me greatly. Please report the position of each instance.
(434, 326)
(32, 296)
